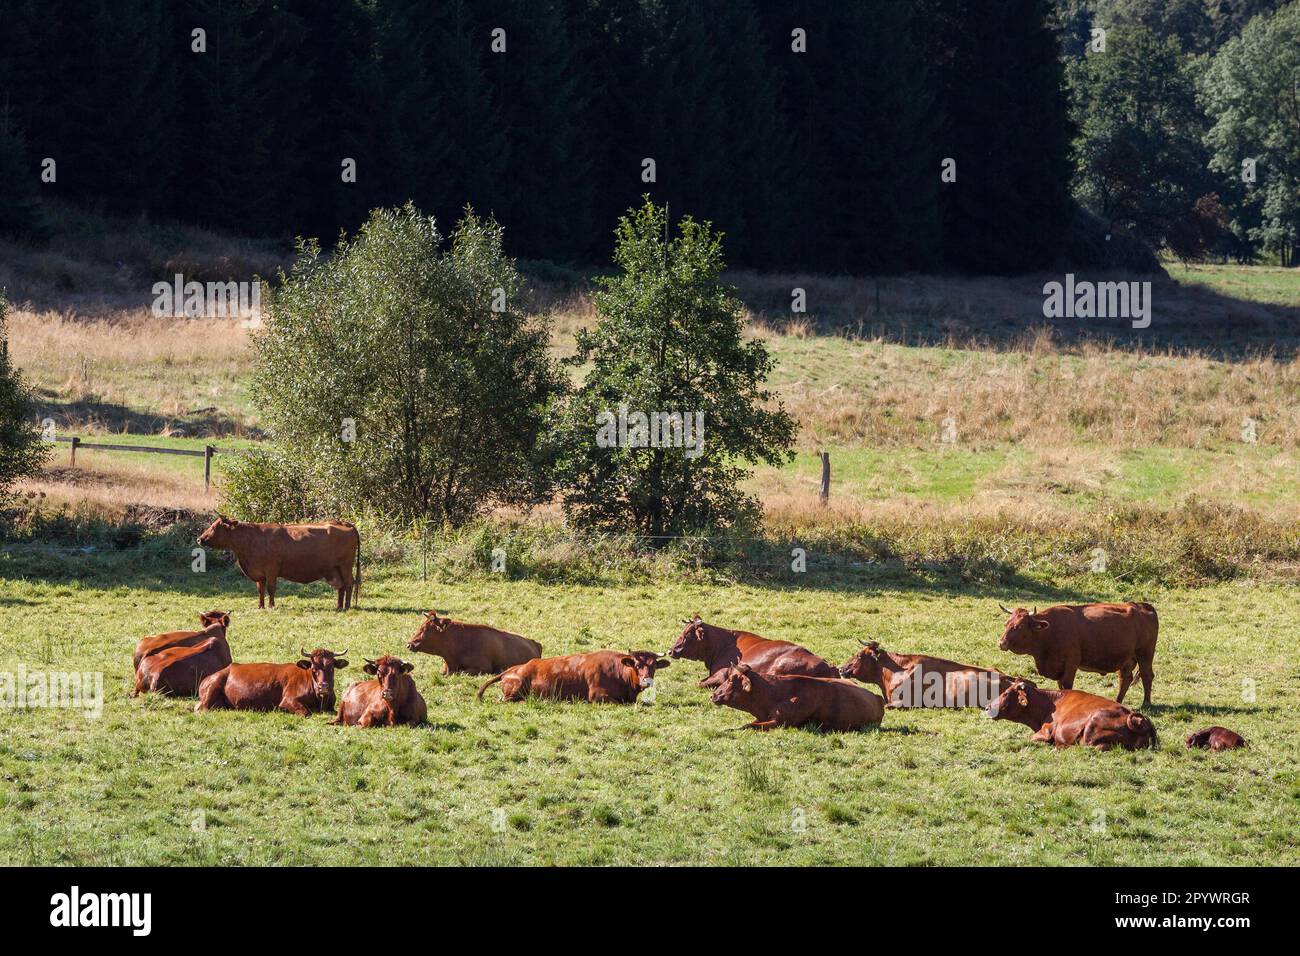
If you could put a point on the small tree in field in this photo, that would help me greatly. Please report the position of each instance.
(21, 450)
(400, 377)
(668, 342)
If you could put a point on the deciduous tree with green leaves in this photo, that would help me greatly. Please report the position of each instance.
(22, 452)
(1252, 89)
(400, 377)
(669, 339)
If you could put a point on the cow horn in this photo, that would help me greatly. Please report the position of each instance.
(1006, 610)
(303, 653)
(862, 642)
(341, 653)
(367, 660)
(1035, 610)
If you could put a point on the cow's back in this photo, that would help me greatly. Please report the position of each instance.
(781, 658)
(1107, 635)
(296, 550)
(261, 686)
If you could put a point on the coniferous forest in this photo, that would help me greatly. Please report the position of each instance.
(815, 133)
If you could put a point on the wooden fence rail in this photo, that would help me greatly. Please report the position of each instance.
(206, 454)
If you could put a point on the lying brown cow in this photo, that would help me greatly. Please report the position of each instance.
(179, 671)
(304, 687)
(598, 677)
(1064, 718)
(301, 553)
(794, 700)
(719, 648)
(390, 699)
(917, 680)
(213, 623)
(1100, 638)
(471, 648)
(1216, 738)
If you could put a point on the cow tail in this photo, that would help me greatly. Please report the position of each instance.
(490, 682)
(356, 580)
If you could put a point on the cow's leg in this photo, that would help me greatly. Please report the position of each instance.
(1066, 680)
(1148, 675)
(294, 706)
(1125, 679)
(1043, 734)
(270, 590)
(759, 725)
(345, 574)
(261, 595)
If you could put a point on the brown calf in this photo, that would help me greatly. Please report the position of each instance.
(917, 680)
(1100, 638)
(213, 623)
(1064, 718)
(795, 700)
(1216, 738)
(471, 648)
(179, 671)
(301, 553)
(599, 677)
(719, 648)
(390, 699)
(304, 687)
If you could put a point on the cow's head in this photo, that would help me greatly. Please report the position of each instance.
(218, 534)
(735, 686)
(209, 618)
(645, 663)
(1012, 702)
(322, 664)
(1022, 631)
(391, 673)
(865, 664)
(426, 636)
(690, 643)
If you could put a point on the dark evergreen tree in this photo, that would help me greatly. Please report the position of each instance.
(1002, 95)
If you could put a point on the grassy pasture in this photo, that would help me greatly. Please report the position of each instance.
(669, 782)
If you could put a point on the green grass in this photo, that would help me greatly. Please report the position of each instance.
(670, 782)
(1271, 285)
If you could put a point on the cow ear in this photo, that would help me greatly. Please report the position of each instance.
(340, 663)
(304, 664)
(407, 667)
(1039, 625)
(225, 620)
(628, 662)
(370, 669)
(662, 662)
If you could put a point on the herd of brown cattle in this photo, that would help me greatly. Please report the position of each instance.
(778, 683)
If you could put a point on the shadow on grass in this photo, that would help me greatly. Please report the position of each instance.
(117, 418)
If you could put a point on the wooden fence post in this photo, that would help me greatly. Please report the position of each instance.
(208, 451)
(825, 456)
(72, 460)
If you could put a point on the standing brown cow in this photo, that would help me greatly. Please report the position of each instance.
(179, 671)
(301, 553)
(390, 699)
(918, 680)
(719, 648)
(304, 687)
(598, 677)
(1064, 718)
(213, 623)
(1100, 638)
(795, 700)
(471, 648)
